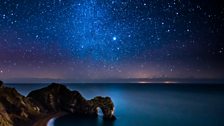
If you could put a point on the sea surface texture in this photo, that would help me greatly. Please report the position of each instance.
(149, 104)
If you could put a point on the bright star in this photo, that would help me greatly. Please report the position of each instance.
(114, 38)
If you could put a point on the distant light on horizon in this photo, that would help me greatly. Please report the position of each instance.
(155, 82)
(144, 82)
(169, 82)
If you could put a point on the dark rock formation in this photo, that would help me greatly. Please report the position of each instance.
(17, 110)
(105, 104)
(1, 84)
(56, 98)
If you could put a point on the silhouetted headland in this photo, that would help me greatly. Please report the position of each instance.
(18, 110)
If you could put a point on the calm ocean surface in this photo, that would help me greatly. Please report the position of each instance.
(149, 105)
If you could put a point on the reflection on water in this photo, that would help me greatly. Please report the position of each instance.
(51, 122)
(81, 121)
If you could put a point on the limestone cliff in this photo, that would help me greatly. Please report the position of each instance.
(17, 110)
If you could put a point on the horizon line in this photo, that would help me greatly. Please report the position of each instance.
(125, 80)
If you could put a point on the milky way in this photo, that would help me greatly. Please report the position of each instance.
(98, 39)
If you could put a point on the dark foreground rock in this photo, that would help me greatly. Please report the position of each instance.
(17, 110)
(1, 84)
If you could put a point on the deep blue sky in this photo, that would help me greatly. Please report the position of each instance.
(98, 39)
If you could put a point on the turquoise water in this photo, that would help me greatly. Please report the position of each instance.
(150, 105)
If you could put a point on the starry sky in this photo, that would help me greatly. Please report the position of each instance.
(111, 39)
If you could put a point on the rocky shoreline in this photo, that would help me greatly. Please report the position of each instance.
(44, 120)
(18, 110)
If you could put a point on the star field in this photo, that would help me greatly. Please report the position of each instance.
(97, 39)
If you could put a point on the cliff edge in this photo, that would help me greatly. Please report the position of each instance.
(18, 110)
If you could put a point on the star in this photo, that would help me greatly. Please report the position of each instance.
(114, 38)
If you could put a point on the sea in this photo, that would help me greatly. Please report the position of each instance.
(148, 104)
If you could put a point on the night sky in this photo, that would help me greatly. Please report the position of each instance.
(111, 39)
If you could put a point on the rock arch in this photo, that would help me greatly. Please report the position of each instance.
(106, 105)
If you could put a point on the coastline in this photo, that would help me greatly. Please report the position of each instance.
(44, 120)
(42, 105)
